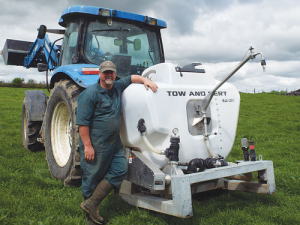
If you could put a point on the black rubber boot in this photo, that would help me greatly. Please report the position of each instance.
(90, 221)
(88, 218)
(90, 205)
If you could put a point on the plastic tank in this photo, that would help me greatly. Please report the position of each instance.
(175, 105)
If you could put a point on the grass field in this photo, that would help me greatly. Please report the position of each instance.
(29, 195)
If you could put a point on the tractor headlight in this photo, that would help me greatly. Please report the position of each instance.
(152, 21)
(105, 12)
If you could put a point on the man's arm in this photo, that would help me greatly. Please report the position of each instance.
(142, 80)
(89, 152)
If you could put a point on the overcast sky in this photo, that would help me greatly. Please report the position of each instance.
(216, 33)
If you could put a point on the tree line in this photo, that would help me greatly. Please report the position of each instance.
(20, 83)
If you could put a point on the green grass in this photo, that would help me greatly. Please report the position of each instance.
(29, 195)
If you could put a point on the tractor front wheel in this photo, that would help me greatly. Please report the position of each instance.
(61, 133)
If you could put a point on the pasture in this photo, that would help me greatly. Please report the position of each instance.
(29, 195)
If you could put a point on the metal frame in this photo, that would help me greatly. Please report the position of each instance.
(183, 186)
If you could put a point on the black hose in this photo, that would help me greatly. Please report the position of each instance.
(48, 62)
(194, 164)
(207, 163)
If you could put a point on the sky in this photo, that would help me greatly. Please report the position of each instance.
(216, 33)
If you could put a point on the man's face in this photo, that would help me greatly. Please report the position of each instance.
(107, 77)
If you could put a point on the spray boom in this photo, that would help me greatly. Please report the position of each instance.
(206, 101)
(252, 55)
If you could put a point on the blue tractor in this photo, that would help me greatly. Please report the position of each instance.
(91, 36)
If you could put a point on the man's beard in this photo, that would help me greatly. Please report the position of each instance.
(108, 81)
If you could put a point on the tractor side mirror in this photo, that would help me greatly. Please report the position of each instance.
(42, 67)
(118, 42)
(137, 44)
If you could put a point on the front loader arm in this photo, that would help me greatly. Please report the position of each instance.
(42, 51)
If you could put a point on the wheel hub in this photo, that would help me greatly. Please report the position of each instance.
(61, 138)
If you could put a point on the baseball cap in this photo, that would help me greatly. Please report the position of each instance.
(107, 66)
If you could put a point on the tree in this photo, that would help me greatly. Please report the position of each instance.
(31, 81)
(17, 82)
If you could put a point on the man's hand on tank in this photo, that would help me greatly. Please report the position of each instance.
(152, 85)
(142, 80)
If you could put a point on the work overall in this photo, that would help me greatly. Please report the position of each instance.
(102, 113)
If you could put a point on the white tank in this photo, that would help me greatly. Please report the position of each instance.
(174, 105)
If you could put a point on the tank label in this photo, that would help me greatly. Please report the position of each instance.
(228, 100)
(195, 93)
(176, 93)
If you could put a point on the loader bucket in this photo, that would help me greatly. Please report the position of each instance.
(14, 52)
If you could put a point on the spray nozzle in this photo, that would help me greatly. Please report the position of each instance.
(263, 64)
(253, 55)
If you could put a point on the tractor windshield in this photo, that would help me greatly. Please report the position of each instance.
(130, 47)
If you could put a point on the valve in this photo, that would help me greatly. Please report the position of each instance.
(245, 148)
(252, 151)
(141, 126)
(173, 151)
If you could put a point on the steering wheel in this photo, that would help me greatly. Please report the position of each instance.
(108, 56)
(94, 51)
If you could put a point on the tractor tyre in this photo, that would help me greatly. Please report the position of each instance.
(61, 133)
(31, 132)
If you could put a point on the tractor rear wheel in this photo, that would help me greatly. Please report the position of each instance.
(61, 133)
(30, 132)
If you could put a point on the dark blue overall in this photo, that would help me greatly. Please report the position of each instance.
(102, 113)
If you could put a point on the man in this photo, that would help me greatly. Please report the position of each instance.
(102, 154)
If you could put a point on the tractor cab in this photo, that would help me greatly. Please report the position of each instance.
(131, 41)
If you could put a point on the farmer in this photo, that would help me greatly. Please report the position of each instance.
(102, 156)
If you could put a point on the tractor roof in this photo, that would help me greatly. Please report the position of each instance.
(78, 10)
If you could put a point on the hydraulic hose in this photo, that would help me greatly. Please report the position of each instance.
(210, 152)
(206, 138)
(150, 146)
(142, 129)
(171, 152)
(49, 61)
